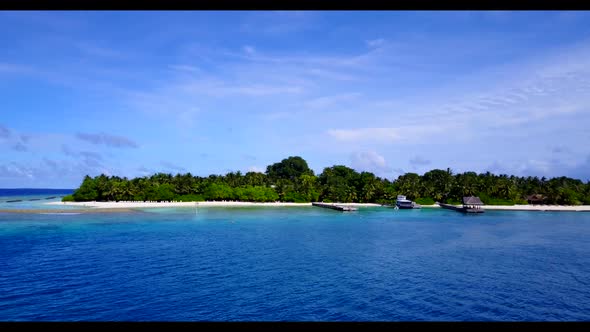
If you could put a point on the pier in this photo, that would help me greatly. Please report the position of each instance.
(470, 205)
(334, 207)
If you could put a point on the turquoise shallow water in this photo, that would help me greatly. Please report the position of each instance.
(295, 264)
(32, 198)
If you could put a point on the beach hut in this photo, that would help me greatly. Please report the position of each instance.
(535, 199)
(472, 203)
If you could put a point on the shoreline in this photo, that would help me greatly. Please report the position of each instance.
(540, 208)
(133, 205)
(69, 211)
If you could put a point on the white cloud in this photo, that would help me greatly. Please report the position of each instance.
(256, 169)
(376, 42)
(413, 133)
(249, 50)
(48, 172)
(369, 161)
(365, 134)
(15, 170)
(185, 68)
(331, 101)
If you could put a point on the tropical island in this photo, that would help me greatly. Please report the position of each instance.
(292, 181)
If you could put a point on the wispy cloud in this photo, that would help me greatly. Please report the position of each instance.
(365, 134)
(548, 168)
(533, 96)
(17, 142)
(15, 170)
(171, 166)
(4, 132)
(369, 161)
(20, 147)
(10, 68)
(331, 101)
(108, 140)
(223, 87)
(418, 161)
(249, 49)
(93, 49)
(185, 68)
(256, 169)
(560, 149)
(279, 22)
(89, 159)
(47, 172)
(248, 157)
(413, 133)
(376, 42)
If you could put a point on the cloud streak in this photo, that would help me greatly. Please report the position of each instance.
(418, 161)
(20, 147)
(4, 132)
(171, 166)
(387, 135)
(107, 140)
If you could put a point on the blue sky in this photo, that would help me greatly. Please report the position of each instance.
(133, 93)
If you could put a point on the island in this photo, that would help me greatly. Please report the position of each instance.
(292, 182)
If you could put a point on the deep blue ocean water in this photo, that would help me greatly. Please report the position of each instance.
(295, 264)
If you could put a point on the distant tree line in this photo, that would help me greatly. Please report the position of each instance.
(291, 180)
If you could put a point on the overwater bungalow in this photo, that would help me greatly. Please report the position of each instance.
(472, 204)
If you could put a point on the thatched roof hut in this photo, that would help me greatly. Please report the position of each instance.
(536, 199)
(472, 202)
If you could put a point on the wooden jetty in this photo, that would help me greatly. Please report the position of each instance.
(471, 204)
(334, 207)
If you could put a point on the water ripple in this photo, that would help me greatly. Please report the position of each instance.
(299, 264)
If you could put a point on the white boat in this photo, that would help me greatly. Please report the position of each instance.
(403, 203)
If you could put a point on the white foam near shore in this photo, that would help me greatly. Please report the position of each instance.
(127, 205)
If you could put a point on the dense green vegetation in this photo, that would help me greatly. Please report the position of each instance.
(291, 180)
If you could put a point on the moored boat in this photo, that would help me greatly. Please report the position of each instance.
(403, 203)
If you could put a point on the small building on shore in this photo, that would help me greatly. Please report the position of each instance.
(472, 202)
(536, 199)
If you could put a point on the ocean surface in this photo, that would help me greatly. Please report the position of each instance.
(295, 264)
(32, 198)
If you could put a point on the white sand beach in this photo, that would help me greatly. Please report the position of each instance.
(127, 205)
(130, 205)
(539, 207)
(565, 208)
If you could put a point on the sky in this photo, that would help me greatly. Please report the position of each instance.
(134, 93)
